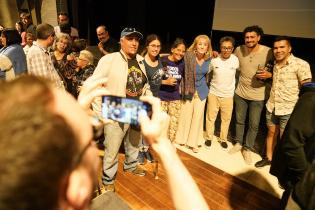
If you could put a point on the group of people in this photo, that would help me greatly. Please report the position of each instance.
(62, 157)
(183, 80)
(66, 57)
(180, 79)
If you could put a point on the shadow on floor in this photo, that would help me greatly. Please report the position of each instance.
(250, 198)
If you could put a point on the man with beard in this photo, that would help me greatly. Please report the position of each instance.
(290, 73)
(251, 91)
(107, 44)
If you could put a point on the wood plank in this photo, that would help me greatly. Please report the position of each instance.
(221, 190)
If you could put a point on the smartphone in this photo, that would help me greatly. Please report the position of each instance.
(124, 110)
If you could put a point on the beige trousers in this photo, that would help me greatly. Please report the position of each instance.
(190, 124)
(225, 105)
(172, 108)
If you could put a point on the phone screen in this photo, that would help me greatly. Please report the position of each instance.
(124, 110)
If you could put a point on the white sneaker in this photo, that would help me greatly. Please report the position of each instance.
(247, 156)
(236, 148)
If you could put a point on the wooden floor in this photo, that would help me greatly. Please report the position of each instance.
(221, 190)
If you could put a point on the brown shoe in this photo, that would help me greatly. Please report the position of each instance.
(107, 188)
(137, 171)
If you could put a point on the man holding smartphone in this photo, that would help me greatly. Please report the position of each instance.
(126, 78)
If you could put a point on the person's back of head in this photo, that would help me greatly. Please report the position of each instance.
(40, 147)
(38, 92)
(38, 158)
(65, 27)
(79, 44)
(44, 30)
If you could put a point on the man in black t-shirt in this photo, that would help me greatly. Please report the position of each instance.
(126, 76)
(107, 44)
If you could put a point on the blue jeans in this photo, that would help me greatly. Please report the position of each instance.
(143, 145)
(280, 120)
(115, 133)
(254, 108)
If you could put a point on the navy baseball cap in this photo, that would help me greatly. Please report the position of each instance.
(129, 31)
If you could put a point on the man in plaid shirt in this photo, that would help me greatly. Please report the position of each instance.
(39, 62)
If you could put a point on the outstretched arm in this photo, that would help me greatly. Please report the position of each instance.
(184, 191)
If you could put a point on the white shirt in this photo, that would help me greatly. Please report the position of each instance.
(223, 79)
(74, 31)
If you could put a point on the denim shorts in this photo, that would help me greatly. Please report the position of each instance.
(280, 120)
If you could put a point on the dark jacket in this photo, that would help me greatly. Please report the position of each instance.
(304, 191)
(296, 150)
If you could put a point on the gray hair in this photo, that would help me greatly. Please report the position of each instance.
(87, 55)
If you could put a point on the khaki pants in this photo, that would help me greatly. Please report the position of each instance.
(190, 124)
(225, 105)
(172, 108)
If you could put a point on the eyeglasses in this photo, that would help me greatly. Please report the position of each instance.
(81, 154)
(226, 48)
(155, 46)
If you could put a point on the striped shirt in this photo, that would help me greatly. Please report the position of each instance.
(39, 63)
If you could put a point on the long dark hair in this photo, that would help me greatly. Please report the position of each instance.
(12, 36)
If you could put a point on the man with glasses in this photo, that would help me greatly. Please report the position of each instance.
(107, 44)
(126, 78)
(38, 59)
(48, 159)
(251, 91)
(222, 88)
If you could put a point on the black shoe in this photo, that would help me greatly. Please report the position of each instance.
(141, 158)
(148, 156)
(224, 145)
(208, 144)
(262, 163)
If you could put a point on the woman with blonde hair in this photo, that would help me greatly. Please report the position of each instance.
(194, 93)
(63, 62)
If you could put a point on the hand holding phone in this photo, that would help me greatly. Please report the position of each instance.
(124, 110)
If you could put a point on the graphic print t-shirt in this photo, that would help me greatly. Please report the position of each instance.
(176, 70)
(154, 76)
(135, 79)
